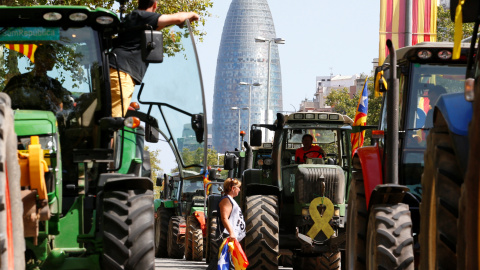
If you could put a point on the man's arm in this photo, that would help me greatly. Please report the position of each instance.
(175, 19)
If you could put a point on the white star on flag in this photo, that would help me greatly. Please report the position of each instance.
(222, 264)
(363, 101)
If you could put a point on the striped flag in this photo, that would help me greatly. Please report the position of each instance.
(231, 252)
(360, 119)
(27, 49)
(392, 23)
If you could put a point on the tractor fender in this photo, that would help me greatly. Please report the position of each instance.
(200, 216)
(371, 162)
(128, 183)
(261, 189)
(456, 111)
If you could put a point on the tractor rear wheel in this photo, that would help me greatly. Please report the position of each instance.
(194, 241)
(327, 261)
(389, 237)
(428, 224)
(161, 232)
(212, 245)
(128, 241)
(356, 224)
(12, 241)
(174, 249)
(261, 241)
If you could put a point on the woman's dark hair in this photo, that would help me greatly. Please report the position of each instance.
(144, 4)
(230, 183)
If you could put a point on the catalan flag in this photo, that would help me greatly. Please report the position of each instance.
(205, 182)
(393, 16)
(360, 119)
(231, 253)
(27, 49)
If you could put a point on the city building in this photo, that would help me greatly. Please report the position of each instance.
(243, 59)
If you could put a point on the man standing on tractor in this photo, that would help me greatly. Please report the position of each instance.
(126, 65)
(308, 150)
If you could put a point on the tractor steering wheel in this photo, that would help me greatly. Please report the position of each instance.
(320, 154)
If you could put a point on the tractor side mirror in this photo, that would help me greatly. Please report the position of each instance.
(229, 162)
(151, 134)
(256, 137)
(152, 46)
(380, 81)
(159, 181)
(197, 126)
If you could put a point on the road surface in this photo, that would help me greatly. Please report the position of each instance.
(182, 264)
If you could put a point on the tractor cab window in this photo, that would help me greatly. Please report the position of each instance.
(52, 69)
(428, 83)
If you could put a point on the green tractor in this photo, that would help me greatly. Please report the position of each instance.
(87, 203)
(298, 210)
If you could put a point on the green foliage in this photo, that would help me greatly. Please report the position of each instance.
(446, 28)
(342, 103)
(201, 7)
(156, 169)
(196, 157)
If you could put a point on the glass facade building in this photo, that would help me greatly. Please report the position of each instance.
(241, 59)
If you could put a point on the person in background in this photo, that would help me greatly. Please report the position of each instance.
(313, 151)
(35, 90)
(231, 223)
(131, 68)
(433, 95)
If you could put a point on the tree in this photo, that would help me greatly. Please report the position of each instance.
(155, 169)
(446, 28)
(342, 103)
(196, 157)
(164, 7)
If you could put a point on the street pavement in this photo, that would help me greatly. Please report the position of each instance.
(182, 264)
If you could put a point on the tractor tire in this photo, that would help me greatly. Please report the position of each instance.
(285, 260)
(428, 225)
(327, 261)
(12, 241)
(161, 232)
(128, 230)
(448, 189)
(262, 238)
(175, 250)
(212, 243)
(357, 214)
(188, 243)
(389, 237)
(194, 241)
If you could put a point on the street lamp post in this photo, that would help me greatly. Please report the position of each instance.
(238, 109)
(249, 102)
(276, 41)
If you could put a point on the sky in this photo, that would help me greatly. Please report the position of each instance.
(321, 37)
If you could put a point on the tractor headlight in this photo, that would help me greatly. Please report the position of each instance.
(305, 212)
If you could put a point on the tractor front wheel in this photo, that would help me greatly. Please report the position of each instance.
(12, 241)
(128, 230)
(356, 224)
(161, 232)
(212, 243)
(193, 240)
(174, 249)
(389, 237)
(262, 240)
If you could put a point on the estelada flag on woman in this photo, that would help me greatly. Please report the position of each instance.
(231, 252)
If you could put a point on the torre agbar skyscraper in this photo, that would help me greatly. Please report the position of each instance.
(242, 59)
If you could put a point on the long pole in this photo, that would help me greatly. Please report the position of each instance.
(249, 108)
(239, 143)
(268, 88)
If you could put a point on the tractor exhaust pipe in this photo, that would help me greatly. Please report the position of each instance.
(392, 120)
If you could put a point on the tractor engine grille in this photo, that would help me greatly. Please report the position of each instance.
(308, 183)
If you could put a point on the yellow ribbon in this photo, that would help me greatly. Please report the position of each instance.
(321, 222)
(457, 37)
